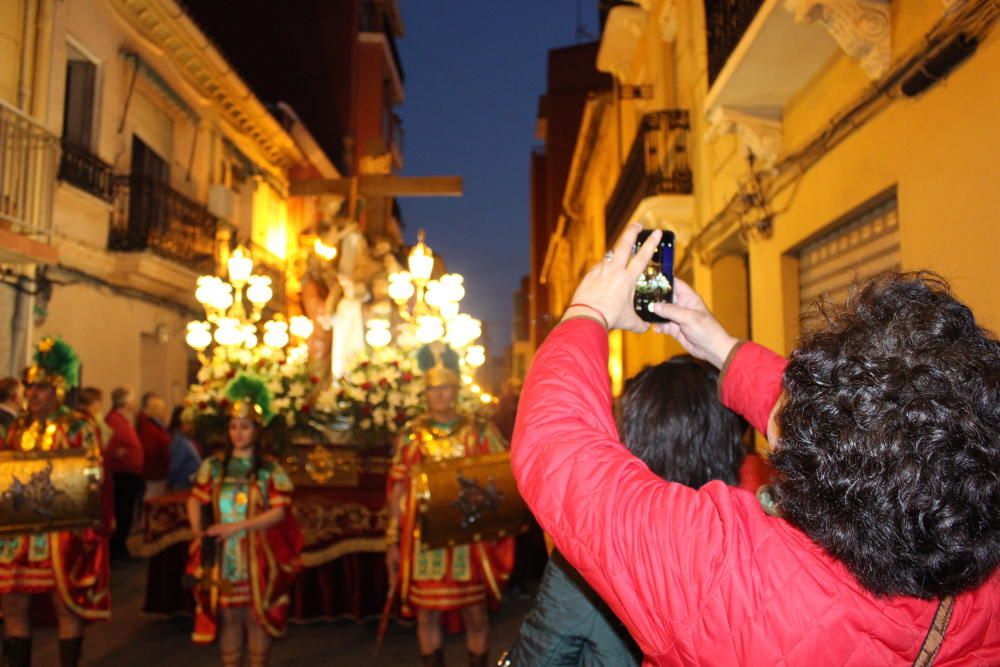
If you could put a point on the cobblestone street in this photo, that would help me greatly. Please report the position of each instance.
(135, 639)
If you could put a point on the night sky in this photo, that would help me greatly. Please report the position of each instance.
(474, 72)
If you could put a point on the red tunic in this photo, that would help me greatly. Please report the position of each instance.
(453, 577)
(260, 572)
(74, 563)
(705, 576)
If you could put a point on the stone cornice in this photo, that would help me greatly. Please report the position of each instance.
(862, 28)
(167, 28)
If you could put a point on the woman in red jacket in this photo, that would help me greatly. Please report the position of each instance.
(883, 537)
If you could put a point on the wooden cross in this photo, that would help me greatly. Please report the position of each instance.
(378, 185)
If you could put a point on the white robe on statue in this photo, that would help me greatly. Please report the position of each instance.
(348, 320)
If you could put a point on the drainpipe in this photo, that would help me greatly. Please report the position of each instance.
(43, 61)
(27, 55)
(20, 325)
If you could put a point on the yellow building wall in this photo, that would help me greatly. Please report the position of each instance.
(11, 26)
(939, 150)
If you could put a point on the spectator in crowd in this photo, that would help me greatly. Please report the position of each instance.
(879, 540)
(125, 460)
(151, 427)
(10, 402)
(89, 403)
(672, 421)
(184, 457)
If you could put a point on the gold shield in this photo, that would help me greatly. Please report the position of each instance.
(45, 491)
(466, 500)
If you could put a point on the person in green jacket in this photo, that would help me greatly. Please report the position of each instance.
(671, 419)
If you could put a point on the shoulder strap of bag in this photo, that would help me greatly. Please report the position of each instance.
(935, 634)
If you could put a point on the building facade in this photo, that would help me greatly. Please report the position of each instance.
(153, 158)
(794, 148)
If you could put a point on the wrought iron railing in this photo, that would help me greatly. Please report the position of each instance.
(151, 216)
(657, 164)
(726, 21)
(28, 158)
(81, 168)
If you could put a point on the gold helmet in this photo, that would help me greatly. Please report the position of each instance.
(250, 399)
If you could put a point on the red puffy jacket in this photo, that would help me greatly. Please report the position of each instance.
(705, 576)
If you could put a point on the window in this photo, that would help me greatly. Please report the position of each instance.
(78, 106)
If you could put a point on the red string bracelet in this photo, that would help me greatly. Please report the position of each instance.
(599, 313)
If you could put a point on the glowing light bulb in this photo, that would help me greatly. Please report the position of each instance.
(227, 331)
(429, 329)
(259, 291)
(301, 326)
(378, 334)
(421, 260)
(475, 356)
(276, 333)
(198, 335)
(400, 287)
(240, 266)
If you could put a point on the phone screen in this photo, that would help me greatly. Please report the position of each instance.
(656, 284)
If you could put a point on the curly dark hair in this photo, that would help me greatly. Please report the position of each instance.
(673, 421)
(889, 439)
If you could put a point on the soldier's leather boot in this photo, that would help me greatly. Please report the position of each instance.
(17, 652)
(435, 659)
(70, 651)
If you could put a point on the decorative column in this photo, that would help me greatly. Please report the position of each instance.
(862, 28)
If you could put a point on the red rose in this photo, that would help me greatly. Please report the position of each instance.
(366, 386)
(314, 379)
(394, 364)
(202, 405)
(366, 410)
(383, 383)
(400, 417)
(407, 377)
(306, 409)
(364, 364)
(231, 374)
(224, 403)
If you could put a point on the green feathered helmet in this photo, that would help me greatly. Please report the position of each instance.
(440, 365)
(250, 399)
(56, 364)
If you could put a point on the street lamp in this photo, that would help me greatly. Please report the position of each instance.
(226, 311)
(429, 308)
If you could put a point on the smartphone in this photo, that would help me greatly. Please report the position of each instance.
(656, 284)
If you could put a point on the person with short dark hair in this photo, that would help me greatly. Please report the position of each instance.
(125, 459)
(10, 402)
(879, 541)
(671, 420)
(184, 457)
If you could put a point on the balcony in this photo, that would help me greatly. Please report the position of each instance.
(655, 184)
(726, 22)
(151, 216)
(28, 158)
(380, 22)
(761, 53)
(84, 170)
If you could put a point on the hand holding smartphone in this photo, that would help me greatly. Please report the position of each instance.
(656, 283)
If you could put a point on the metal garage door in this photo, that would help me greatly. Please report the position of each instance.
(854, 251)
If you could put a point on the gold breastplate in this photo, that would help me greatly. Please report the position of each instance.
(439, 443)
